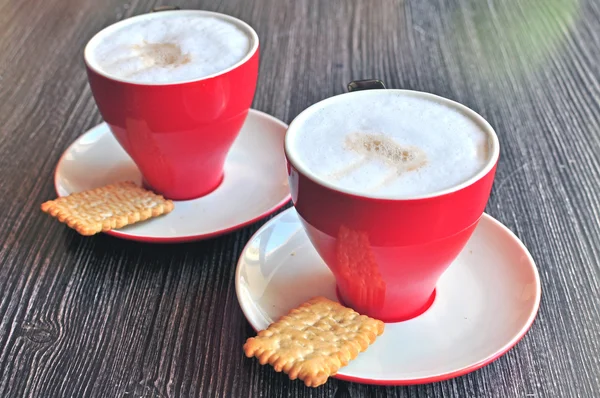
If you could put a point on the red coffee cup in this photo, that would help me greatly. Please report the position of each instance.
(178, 134)
(388, 254)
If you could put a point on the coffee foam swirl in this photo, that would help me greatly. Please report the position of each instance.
(171, 49)
(161, 54)
(395, 145)
(400, 159)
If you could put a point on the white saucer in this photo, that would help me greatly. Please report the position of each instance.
(486, 302)
(255, 183)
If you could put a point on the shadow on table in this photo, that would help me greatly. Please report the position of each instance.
(107, 251)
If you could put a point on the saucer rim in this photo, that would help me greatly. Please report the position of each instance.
(184, 238)
(438, 377)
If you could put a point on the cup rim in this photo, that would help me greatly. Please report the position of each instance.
(296, 124)
(93, 42)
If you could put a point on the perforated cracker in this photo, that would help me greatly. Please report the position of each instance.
(313, 341)
(110, 207)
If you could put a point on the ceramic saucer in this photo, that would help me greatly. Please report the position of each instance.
(486, 301)
(255, 183)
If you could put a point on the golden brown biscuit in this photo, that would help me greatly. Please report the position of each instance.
(314, 340)
(110, 207)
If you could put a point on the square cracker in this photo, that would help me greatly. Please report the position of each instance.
(110, 207)
(314, 340)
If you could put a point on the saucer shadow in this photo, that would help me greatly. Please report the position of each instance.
(149, 260)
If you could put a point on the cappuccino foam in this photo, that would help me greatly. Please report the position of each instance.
(172, 48)
(394, 145)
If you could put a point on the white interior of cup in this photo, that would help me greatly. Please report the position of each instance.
(297, 125)
(94, 41)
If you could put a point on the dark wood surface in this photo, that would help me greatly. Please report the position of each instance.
(102, 317)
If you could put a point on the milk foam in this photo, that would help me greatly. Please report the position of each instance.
(172, 48)
(392, 145)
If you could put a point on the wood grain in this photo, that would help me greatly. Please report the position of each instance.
(101, 317)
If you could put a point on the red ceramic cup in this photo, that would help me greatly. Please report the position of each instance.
(178, 134)
(388, 254)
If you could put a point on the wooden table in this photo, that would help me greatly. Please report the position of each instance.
(103, 317)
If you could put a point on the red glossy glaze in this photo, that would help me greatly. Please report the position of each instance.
(387, 255)
(178, 134)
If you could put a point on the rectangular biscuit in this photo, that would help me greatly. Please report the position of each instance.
(314, 340)
(110, 207)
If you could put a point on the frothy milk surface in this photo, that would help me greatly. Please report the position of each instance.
(172, 48)
(393, 145)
